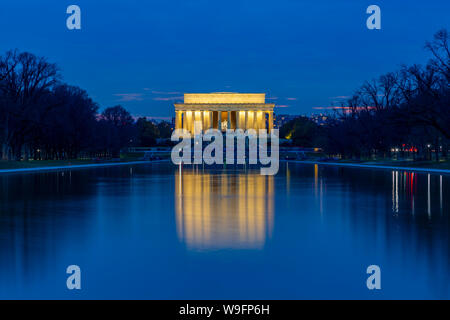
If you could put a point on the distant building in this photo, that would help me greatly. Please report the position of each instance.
(320, 118)
(281, 119)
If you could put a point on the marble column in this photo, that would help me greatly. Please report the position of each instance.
(202, 117)
(245, 120)
(189, 121)
(263, 120)
(219, 120)
(177, 119)
(250, 120)
(210, 124)
(270, 121)
(183, 120)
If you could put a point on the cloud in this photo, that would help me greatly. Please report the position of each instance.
(160, 118)
(344, 108)
(340, 97)
(291, 99)
(328, 108)
(177, 98)
(157, 119)
(150, 94)
(129, 96)
(281, 106)
(166, 92)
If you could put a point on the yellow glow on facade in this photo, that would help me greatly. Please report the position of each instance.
(241, 120)
(224, 97)
(259, 120)
(250, 119)
(189, 120)
(224, 111)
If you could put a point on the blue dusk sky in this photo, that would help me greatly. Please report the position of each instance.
(305, 55)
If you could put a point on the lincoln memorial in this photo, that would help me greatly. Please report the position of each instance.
(224, 110)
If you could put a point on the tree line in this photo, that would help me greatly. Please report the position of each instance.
(406, 111)
(43, 118)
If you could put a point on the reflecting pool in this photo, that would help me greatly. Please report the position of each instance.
(153, 231)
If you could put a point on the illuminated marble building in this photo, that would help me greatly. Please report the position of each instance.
(224, 110)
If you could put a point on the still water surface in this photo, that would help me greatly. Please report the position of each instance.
(147, 232)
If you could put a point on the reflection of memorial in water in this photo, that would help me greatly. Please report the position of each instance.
(227, 210)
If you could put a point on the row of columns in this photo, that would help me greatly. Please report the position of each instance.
(214, 119)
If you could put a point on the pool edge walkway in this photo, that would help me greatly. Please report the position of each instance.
(369, 166)
(111, 164)
(77, 166)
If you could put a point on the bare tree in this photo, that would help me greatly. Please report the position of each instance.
(25, 78)
(441, 53)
